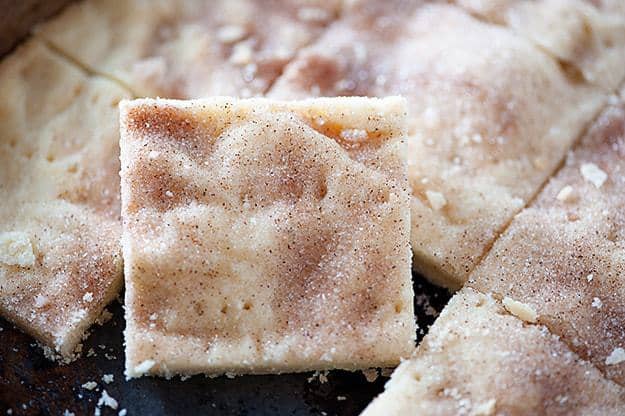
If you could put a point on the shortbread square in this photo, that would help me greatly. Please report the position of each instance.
(262, 236)
(479, 360)
(60, 226)
(564, 255)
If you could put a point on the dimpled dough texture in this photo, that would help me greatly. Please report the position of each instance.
(490, 117)
(60, 258)
(263, 236)
(564, 255)
(587, 37)
(189, 48)
(478, 360)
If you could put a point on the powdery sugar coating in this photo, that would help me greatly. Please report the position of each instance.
(587, 36)
(189, 48)
(59, 217)
(490, 116)
(549, 251)
(478, 360)
(261, 237)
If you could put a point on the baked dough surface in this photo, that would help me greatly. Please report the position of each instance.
(564, 255)
(264, 236)
(189, 48)
(586, 36)
(60, 257)
(479, 360)
(490, 117)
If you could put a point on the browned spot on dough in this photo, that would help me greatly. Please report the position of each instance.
(609, 130)
(572, 72)
(173, 125)
(158, 188)
(309, 277)
(165, 121)
(96, 187)
(316, 71)
(282, 171)
(303, 278)
(335, 131)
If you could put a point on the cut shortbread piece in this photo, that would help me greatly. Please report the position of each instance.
(491, 117)
(588, 36)
(59, 217)
(189, 48)
(478, 360)
(566, 258)
(264, 236)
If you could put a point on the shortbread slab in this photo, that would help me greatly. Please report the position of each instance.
(587, 36)
(479, 360)
(60, 256)
(490, 117)
(263, 236)
(189, 48)
(564, 255)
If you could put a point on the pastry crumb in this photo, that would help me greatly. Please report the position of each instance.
(371, 374)
(436, 199)
(16, 249)
(241, 54)
(153, 155)
(596, 303)
(520, 310)
(105, 400)
(90, 385)
(231, 33)
(354, 135)
(616, 357)
(485, 409)
(49, 353)
(40, 301)
(313, 14)
(565, 194)
(322, 376)
(104, 317)
(144, 366)
(593, 174)
(108, 378)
